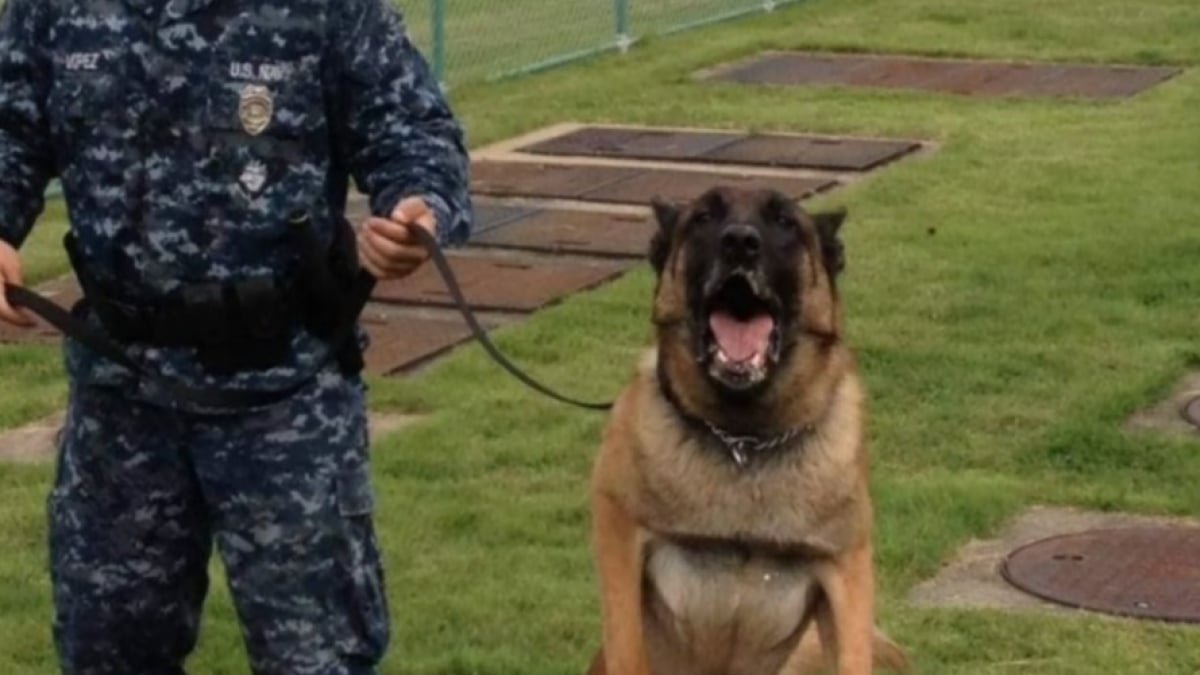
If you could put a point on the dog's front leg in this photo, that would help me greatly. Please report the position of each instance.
(846, 617)
(618, 542)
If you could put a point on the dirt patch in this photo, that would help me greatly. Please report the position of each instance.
(973, 580)
(387, 423)
(32, 443)
(1167, 416)
(38, 442)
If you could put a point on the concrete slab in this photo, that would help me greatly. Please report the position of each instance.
(1167, 415)
(973, 579)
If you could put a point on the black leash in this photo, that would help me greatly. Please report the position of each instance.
(427, 240)
(97, 341)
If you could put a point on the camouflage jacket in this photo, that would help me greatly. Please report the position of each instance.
(185, 132)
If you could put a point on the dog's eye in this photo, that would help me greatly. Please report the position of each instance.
(786, 222)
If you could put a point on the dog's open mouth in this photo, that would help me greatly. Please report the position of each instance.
(741, 342)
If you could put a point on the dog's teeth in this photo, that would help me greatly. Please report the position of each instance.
(722, 357)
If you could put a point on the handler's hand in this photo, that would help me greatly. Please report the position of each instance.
(10, 272)
(385, 247)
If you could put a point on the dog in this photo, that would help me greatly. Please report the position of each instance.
(731, 519)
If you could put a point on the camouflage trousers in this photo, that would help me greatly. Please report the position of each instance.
(141, 494)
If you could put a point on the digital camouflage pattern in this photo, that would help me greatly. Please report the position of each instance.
(186, 132)
(140, 494)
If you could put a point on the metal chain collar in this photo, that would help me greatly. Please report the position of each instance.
(743, 448)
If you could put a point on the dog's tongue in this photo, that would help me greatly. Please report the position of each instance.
(741, 340)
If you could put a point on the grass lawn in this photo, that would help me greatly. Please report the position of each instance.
(1012, 298)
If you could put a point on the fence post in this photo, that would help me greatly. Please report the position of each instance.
(621, 14)
(439, 41)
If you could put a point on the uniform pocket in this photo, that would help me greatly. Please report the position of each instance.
(354, 495)
(365, 597)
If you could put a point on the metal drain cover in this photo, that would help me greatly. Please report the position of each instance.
(1191, 412)
(683, 186)
(634, 143)
(575, 232)
(1142, 572)
(954, 76)
(500, 284)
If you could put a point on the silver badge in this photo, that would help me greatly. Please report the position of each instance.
(255, 108)
(253, 178)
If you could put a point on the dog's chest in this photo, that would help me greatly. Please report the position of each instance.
(725, 608)
(801, 499)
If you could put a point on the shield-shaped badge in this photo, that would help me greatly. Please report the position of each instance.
(255, 108)
(253, 178)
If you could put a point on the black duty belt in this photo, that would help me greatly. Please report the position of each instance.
(99, 342)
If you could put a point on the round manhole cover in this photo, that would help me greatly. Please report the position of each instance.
(1191, 412)
(1145, 572)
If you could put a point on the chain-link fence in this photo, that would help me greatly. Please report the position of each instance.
(473, 40)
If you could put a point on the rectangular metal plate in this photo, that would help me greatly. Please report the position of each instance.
(578, 232)
(400, 343)
(499, 283)
(958, 76)
(490, 216)
(486, 216)
(837, 154)
(685, 186)
(526, 179)
(634, 143)
(790, 151)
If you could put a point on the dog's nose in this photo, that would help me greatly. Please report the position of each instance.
(740, 244)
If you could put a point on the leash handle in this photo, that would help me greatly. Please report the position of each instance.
(426, 238)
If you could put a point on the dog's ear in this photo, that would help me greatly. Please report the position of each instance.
(829, 225)
(667, 215)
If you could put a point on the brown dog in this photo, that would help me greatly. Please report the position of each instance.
(729, 500)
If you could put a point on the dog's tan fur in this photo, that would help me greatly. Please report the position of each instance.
(782, 545)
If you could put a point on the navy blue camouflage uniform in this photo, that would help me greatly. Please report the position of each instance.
(186, 133)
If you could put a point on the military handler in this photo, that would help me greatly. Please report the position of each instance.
(193, 138)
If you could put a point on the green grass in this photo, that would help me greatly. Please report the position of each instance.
(1056, 294)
